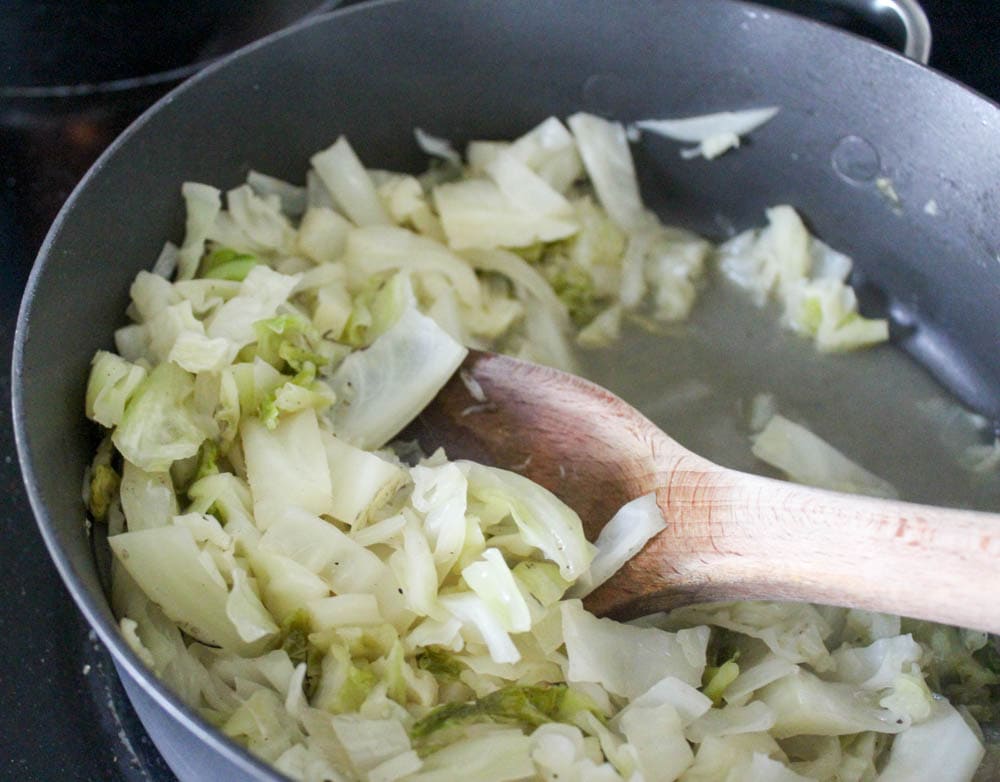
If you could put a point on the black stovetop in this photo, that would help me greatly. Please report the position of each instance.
(64, 715)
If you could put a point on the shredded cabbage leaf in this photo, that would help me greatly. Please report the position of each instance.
(714, 134)
(806, 458)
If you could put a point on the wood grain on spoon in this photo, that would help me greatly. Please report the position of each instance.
(730, 535)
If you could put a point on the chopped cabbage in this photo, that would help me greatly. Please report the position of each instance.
(943, 748)
(713, 133)
(437, 147)
(806, 458)
(203, 204)
(113, 381)
(291, 197)
(167, 565)
(491, 579)
(594, 648)
(360, 481)
(148, 498)
(252, 224)
(286, 466)
(350, 609)
(375, 250)
(159, 425)
(543, 521)
(478, 213)
(620, 540)
(382, 388)
(784, 261)
(604, 149)
(499, 756)
(322, 234)
(656, 738)
(804, 704)
(350, 185)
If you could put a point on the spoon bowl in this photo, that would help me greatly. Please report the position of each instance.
(729, 535)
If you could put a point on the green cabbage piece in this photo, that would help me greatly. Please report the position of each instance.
(795, 632)
(286, 466)
(803, 704)
(301, 392)
(360, 481)
(809, 278)
(491, 579)
(285, 584)
(294, 641)
(381, 389)
(943, 748)
(261, 293)
(543, 520)
(203, 204)
(498, 756)
(252, 224)
(104, 484)
(322, 234)
(349, 184)
(606, 155)
(632, 526)
(806, 458)
(112, 383)
(594, 646)
(226, 263)
(148, 498)
(376, 307)
(525, 706)
(962, 665)
(439, 662)
(656, 737)
(542, 580)
(167, 565)
(286, 341)
(477, 213)
(343, 685)
(718, 679)
(159, 425)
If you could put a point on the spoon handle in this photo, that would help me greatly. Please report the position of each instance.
(736, 536)
(729, 535)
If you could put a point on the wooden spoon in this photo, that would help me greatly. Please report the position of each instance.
(729, 535)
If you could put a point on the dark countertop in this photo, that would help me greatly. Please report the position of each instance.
(64, 714)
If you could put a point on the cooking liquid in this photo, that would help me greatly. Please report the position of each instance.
(697, 379)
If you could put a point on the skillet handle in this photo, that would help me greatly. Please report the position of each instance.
(911, 14)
